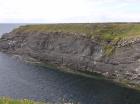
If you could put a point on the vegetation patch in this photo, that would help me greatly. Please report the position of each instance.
(5, 100)
(105, 31)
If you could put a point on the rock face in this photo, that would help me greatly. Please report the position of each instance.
(77, 53)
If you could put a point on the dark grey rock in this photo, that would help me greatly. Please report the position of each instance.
(77, 53)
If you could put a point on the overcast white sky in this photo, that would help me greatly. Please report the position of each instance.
(61, 11)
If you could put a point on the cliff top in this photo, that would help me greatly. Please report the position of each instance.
(104, 31)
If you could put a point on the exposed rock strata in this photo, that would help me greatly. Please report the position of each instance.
(77, 53)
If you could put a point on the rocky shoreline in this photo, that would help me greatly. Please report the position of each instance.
(95, 74)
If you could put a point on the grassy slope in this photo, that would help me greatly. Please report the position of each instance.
(105, 31)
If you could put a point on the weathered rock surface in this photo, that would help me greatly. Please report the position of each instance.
(77, 53)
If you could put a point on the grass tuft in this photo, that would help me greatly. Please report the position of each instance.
(6, 100)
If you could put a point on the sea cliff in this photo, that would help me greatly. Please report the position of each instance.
(110, 49)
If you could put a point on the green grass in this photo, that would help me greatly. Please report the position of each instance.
(104, 31)
(5, 100)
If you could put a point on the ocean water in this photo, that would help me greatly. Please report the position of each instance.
(5, 28)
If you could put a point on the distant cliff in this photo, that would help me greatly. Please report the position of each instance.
(112, 50)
